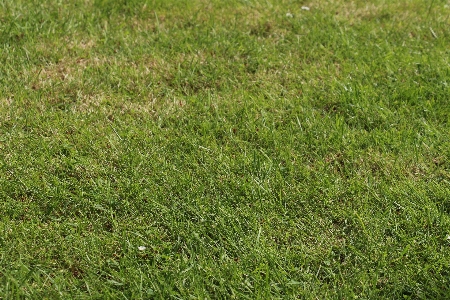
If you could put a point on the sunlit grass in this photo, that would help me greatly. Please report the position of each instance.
(224, 149)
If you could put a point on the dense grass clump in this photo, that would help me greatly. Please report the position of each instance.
(224, 149)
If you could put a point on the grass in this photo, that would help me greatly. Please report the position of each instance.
(254, 148)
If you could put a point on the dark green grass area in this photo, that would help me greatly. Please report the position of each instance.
(254, 148)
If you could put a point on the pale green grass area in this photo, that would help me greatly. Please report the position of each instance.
(254, 148)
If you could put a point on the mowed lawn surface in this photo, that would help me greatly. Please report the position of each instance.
(224, 149)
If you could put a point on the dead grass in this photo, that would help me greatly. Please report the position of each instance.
(400, 12)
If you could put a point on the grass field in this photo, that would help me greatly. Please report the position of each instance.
(224, 149)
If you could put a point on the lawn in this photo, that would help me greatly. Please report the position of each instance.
(245, 149)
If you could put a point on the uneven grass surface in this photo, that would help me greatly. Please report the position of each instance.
(254, 148)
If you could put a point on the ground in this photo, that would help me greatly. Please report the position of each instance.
(224, 149)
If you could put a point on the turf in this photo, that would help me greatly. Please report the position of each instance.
(224, 149)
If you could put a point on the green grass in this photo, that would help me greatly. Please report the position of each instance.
(255, 154)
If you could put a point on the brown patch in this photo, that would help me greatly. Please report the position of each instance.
(337, 161)
(76, 271)
(263, 29)
(438, 161)
(89, 103)
(358, 10)
(351, 10)
(417, 171)
(111, 107)
(85, 44)
(5, 102)
(68, 70)
(332, 107)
